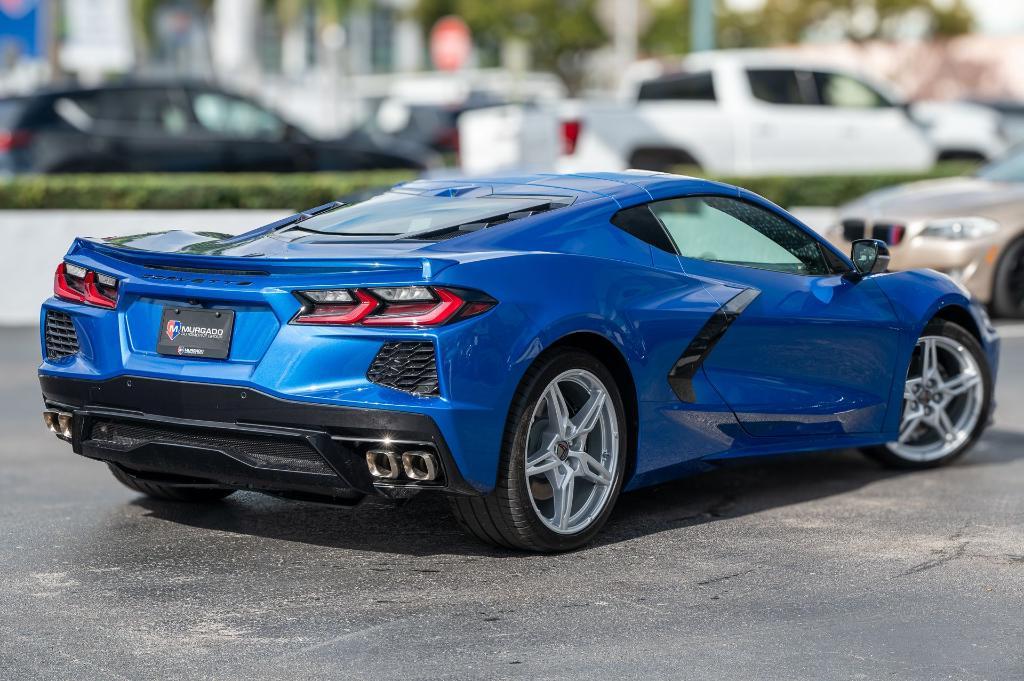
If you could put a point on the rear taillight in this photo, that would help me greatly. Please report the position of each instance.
(80, 285)
(390, 306)
(570, 135)
(14, 139)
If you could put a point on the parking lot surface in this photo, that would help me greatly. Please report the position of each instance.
(801, 567)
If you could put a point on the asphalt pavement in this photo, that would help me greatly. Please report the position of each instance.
(800, 567)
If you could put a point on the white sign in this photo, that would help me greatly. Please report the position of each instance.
(99, 36)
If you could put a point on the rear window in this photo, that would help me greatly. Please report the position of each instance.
(693, 87)
(413, 216)
(10, 113)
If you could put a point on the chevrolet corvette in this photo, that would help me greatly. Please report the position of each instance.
(529, 347)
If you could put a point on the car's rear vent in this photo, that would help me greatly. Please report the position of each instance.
(277, 453)
(61, 337)
(443, 233)
(408, 366)
(853, 229)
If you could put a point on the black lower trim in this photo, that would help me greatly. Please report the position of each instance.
(200, 431)
(686, 367)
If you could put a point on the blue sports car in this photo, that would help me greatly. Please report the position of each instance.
(529, 347)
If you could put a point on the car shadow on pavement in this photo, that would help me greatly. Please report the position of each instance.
(424, 526)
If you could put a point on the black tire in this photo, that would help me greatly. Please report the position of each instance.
(664, 160)
(940, 327)
(1008, 282)
(507, 516)
(203, 495)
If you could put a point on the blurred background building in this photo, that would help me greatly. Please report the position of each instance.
(328, 64)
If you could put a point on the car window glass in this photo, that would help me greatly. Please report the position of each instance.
(731, 231)
(10, 112)
(150, 111)
(235, 117)
(781, 86)
(697, 86)
(1010, 168)
(836, 89)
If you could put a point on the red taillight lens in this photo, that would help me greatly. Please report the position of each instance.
(390, 306)
(79, 285)
(339, 313)
(14, 139)
(570, 135)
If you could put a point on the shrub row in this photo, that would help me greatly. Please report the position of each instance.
(293, 191)
(189, 191)
(834, 190)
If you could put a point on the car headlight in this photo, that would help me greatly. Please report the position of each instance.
(960, 228)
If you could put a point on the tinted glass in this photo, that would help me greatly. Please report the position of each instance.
(1010, 168)
(235, 117)
(10, 112)
(781, 86)
(698, 86)
(738, 233)
(149, 111)
(835, 89)
(641, 223)
(398, 214)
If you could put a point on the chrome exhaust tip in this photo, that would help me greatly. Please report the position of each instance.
(419, 466)
(64, 425)
(50, 419)
(383, 464)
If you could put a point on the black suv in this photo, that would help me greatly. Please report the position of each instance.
(176, 128)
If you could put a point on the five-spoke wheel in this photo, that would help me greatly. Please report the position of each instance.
(946, 399)
(563, 458)
(573, 446)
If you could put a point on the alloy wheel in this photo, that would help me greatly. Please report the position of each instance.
(942, 400)
(572, 454)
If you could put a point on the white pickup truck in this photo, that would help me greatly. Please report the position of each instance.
(729, 113)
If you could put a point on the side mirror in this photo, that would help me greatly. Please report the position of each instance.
(870, 256)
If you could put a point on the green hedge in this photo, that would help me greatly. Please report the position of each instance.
(189, 191)
(292, 191)
(834, 190)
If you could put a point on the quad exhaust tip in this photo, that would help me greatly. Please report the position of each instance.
(385, 465)
(59, 423)
(418, 466)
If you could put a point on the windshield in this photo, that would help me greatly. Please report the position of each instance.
(405, 215)
(1009, 168)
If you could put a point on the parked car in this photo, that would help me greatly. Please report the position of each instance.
(971, 228)
(745, 113)
(527, 347)
(961, 131)
(1012, 117)
(175, 128)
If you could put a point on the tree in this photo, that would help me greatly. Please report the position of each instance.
(789, 21)
(559, 33)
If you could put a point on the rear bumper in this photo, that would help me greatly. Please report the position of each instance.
(200, 433)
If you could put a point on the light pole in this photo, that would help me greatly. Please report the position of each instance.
(702, 25)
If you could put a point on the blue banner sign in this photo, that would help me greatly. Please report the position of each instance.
(22, 28)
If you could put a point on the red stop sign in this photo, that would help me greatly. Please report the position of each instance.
(450, 43)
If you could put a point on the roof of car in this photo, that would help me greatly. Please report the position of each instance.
(64, 90)
(630, 186)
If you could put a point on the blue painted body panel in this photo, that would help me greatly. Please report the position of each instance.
(813, 363)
